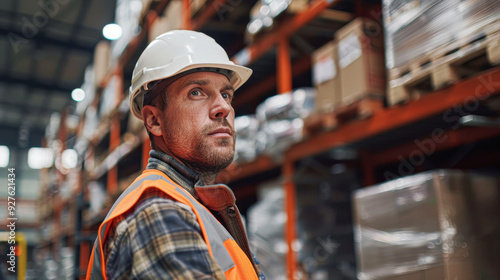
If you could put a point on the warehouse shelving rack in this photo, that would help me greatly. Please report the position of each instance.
(121, 146)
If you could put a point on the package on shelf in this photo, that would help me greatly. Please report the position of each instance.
(52, 128)
(147, 6)
(89, 86)
(170, 20)
(326, 77)
(109, 97)
(127, 16)
(263, 13)
(281, 120)
(266, 226)
(297, 104)
(246, 128)
(91, 122)
(67, 260)
(47, 229)
(324, 218)
(360, 49)
(50, 268)
(439, 224)
(97, 196)
(276, 136)
(416, 28)
(68, 187)
(196, 5)
(102, 54)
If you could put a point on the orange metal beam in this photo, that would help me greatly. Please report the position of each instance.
(236, 171)
(284, 67)
(186, 14)
(291, 221)
(84, 258)
(298, 68)
(446, 101)
(427, 146)
(284, 30)
(211, 8)
(114, 142)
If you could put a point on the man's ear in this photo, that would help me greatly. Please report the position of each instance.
(152, 117)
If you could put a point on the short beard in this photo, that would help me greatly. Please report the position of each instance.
(205, 160)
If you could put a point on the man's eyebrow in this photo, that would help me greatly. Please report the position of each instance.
(228, 87)
(206, 82)
(197, 82)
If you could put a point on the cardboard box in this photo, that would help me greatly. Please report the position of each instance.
(297, 6)
(326, 78)
(361, 60)
(102, 54)
(430, 226)
(170, 20)
(196, 5)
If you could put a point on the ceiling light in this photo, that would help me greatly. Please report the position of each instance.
(69, 158)
(40, 158)
(4, 156)
(112, 31)
(78, 94)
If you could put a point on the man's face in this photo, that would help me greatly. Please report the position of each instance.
(198, 126)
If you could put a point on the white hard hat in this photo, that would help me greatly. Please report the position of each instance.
(176, 52)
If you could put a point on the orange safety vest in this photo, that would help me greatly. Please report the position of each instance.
(221, 245)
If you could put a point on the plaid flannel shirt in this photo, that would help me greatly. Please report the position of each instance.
(160, 238)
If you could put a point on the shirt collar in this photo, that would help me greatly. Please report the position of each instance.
(175, 170)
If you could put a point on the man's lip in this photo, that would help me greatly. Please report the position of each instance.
(222, 130)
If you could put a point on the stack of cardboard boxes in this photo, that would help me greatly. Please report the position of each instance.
(351, 67)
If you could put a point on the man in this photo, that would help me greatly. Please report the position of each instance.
(172, 223)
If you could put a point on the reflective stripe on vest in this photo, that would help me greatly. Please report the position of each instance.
(213, 232)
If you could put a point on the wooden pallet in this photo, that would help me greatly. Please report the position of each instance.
(445, 66)
(361, 108)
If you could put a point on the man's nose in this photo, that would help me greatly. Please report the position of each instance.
(220, 108)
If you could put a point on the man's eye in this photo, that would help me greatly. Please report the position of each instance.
(195, 93)
(226, 95)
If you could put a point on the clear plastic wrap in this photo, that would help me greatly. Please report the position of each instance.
(417, 27)
(246, 128)
(274, 137)
(266, 224)
(281, 120)
(264, 13)
(426, 223)
(97, 194)
(299, 103)
(108, 97)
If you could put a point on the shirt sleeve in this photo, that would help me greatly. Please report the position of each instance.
(161, 239)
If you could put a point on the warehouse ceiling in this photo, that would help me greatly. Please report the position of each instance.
(45, 46)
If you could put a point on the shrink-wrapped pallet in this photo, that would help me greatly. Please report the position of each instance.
(435, 225)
